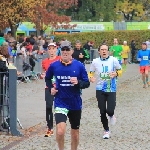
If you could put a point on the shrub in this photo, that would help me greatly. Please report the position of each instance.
(138, 35)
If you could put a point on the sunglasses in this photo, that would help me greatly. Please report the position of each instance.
(65, 49)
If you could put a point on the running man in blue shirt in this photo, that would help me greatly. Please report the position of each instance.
(70, 76)
(144, 56)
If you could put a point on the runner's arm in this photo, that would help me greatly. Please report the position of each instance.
(92, 70)
(49, 77)
(118, 68)
(86, 54)
(83, 81)
(138, 56)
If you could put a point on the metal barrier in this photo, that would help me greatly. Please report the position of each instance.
(8, 101)
(38, 64)
(26, 73)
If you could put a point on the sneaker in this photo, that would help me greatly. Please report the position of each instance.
(144, 86)
(49, 133)
(106, 135)
(113, 120)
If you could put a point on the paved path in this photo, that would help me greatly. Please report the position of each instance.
(31, 104)
(130, 133)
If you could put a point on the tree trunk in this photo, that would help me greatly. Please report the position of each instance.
(41, 32)
(38, 32)
(13, 29)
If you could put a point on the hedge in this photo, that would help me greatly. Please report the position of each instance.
(97, 37)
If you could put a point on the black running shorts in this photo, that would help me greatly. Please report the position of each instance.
(74, 118)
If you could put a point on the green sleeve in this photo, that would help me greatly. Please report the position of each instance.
(86, 54)
(121, 48)
(111, 49)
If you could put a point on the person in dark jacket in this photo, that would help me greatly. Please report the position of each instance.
(79, 53)
(133, 50)
(87, 46)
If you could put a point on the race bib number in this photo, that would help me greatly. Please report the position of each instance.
(104, 76)
(61, 110)
(145, 57)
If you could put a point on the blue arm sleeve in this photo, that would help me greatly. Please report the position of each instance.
(83, 81)
(138, 55)
(49, 76)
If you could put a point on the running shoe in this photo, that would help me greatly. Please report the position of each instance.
(113, 120)
(106, 135)
(49, 133)
(144, 86)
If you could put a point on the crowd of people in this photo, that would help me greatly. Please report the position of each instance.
(65, 76)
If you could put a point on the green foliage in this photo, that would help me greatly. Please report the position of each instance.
(98, 37)
(89, 10)
(108, 10)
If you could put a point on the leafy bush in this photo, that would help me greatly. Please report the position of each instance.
(138, 35)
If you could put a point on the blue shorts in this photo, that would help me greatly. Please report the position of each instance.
(120, 62)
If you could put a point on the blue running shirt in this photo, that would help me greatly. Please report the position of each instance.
(68, 95)
(144, 55)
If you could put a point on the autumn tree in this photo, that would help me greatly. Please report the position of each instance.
(49, 15)
(132, 10)
(40, 12)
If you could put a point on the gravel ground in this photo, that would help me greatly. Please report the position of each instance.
(131, 131)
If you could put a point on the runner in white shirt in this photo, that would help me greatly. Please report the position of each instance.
(106, 68)
(148, 44)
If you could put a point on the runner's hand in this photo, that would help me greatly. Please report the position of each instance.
(74, 80)
(112, 74)
(92, 79)
(53, 91)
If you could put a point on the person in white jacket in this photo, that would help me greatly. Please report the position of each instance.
(107, 69)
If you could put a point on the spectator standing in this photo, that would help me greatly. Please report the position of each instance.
(133, 50)
(79, 53)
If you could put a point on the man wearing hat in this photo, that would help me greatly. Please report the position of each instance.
(144, 56)
(71, 76)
